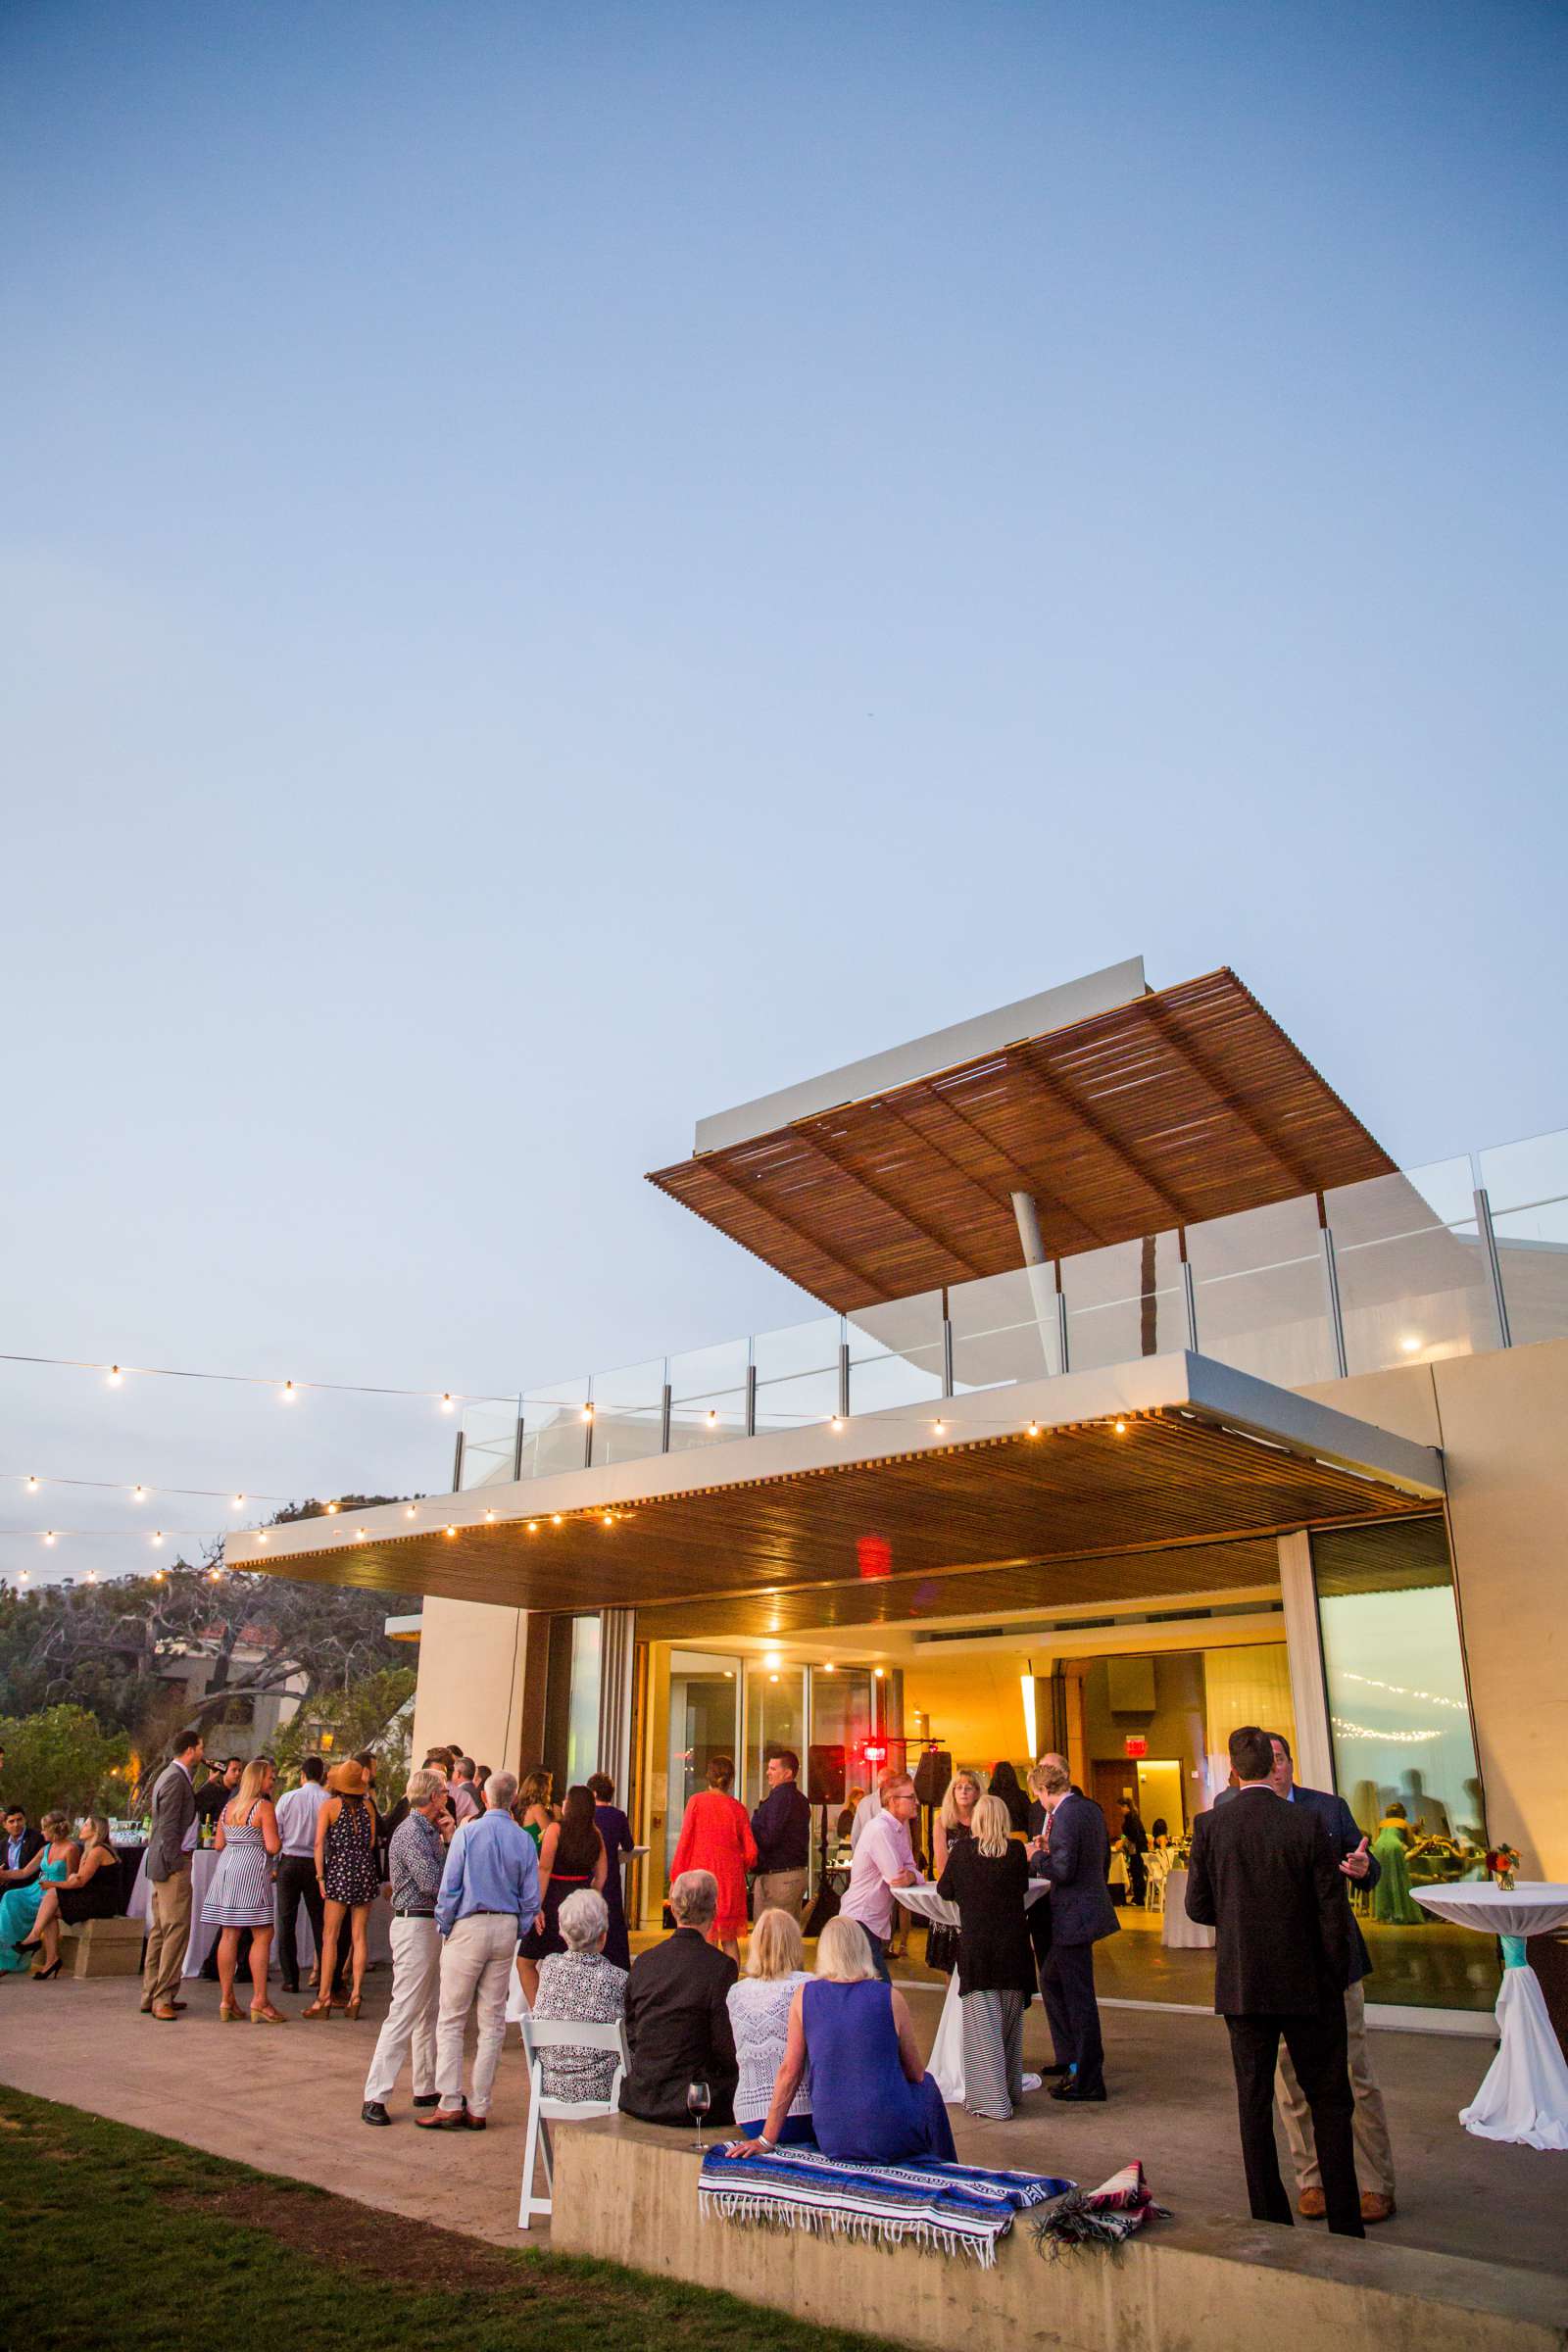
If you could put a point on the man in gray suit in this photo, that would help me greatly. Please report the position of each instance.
(168, 1878)
(1073, 1853)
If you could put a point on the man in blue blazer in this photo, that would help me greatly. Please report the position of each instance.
(1073, 1853)
(1374, 2154)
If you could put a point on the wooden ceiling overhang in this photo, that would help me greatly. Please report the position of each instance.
(1169, 1453)
(1186, 1103)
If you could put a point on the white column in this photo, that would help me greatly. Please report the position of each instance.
(1041, 1278)
(1303, 1651)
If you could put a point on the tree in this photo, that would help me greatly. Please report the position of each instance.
(373, 1713)
(62, 1759)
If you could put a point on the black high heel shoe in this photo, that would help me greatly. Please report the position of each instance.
(39, 1975)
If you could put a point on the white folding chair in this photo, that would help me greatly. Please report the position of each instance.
(547, 2033)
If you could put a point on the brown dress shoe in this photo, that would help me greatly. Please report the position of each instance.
(1311, 2205)
(443, 2119)
(165, 2013)
(1375, 2206)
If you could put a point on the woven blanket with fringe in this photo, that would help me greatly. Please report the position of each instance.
(952, 2208)
(1104, 2217)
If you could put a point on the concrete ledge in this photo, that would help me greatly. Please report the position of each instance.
(104, 1947)
(627, 2191)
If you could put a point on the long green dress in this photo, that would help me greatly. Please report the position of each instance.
(1391, 1896)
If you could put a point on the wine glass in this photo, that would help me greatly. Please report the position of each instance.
(697, 2102)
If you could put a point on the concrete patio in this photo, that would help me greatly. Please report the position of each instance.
(288, 2100)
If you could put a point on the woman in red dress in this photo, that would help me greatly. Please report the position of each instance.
(717, 1835)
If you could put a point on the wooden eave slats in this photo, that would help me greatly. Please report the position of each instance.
(1187, 1104)
(997, 1504)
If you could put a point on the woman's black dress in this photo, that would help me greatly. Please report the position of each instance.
(942, 1942)
(98, 1900)
(990, 1890)
(574, 1867)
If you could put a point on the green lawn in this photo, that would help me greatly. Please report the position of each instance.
(112, 2237)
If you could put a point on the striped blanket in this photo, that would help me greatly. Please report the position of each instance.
(953, 2208)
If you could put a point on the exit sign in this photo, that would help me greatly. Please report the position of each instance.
(1136, 1746)
(875, 1753)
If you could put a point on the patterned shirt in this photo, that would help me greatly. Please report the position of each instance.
(415, 1863)
(760, 2018)
(586, 1989)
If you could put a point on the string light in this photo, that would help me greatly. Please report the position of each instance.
(116, 1376)
(1121, 1429)
(49, 1535)
(1033, 1430)
(116, 1373)
(940, 1426)
(332, 1510)
(489, 1515)
(452, 1531)
(287, 1392)
(446, 1400)
(213, 1575)
(610, 1518)
(555, 1518)
(92, 1575)
(33, 1486)
(409, 1511)
(239, 1502)
(158, 1535)
(261, 1535)
(363, 1534)
(712, 1418)
(534, 1527)
(588, 1413)
(158, 1576)
(837, 1422)
(138, 1493)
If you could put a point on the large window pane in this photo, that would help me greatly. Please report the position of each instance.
(1414, 1285)
(775, 1717)
(1527, 1186)
(1405, 1756)
(1259, 1293)
(1124, 1302)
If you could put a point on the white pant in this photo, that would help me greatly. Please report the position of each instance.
(411, 2020)
(475, 1968)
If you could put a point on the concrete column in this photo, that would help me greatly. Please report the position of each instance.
(1042, 1277)
(1303, 1651)
(616, 1627)
(472, 1661)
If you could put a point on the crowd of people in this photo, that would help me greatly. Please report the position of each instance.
(485, 1878)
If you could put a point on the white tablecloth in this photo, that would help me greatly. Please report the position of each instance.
(1525, 2095)
(945, 2064)
(203, 1862)
(1178, 1932)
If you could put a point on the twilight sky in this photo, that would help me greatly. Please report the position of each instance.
(561, 568)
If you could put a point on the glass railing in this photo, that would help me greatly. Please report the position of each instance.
(1451, 1259)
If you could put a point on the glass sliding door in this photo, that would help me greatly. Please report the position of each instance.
(705, 1720)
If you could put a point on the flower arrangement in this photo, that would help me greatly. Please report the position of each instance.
(1502, 1863)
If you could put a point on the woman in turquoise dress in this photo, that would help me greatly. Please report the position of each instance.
(18, 1906)
(1390, 1849)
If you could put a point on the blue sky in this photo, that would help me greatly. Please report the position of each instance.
(563, 568)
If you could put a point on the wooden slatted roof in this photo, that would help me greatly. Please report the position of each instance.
(1188, 1102)
(998, 1510)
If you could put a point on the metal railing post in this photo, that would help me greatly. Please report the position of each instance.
(517, 1447)
(663, 1412)
(1488, 1239)
(1062, 1319)
(1190, 1306)
(1331, 1293)
(588, 1427)
(750, 1401)
(947, 1357)
(457, 1465)
(844, 1373)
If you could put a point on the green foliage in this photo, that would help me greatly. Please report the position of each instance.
(372, 1712)
(63, 1757)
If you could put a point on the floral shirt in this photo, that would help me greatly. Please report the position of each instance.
(588, 1988)
(414, 1862)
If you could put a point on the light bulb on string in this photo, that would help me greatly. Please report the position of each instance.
(534, 1527)
(1033, 1430)
(287, 1393)
(363, 1534)
(238, 1503)
(138, 1493)
(156, 1536)
(116, 1376)
(332, 1510)
(712, 1418)
(837, 1422)
(92, 1575)
(261, 1535)
(555, 1518)
(452, 1531)
(489, 1515)
(33, 1486)
(588, 1413)
(409, 1511)
(446, 1402)
(1121, 1429)
(940, 1426)
(48, 1534)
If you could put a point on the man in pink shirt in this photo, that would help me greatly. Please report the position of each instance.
(884, 1859)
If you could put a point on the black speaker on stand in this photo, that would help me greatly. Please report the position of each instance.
(932, 1774)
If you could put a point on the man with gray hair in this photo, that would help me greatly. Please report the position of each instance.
(415, 1858)
(489, 1899)
(677, 2014)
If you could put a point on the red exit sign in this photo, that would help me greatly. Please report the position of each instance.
(875, 1752)
(1136, 1746)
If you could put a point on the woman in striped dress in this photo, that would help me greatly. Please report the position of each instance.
(240, 1896)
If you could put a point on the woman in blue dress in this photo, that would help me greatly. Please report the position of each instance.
(872, 2101)
(50, 1866)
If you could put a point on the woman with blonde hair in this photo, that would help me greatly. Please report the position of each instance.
(988, 1877)
(872, 2101)
(759, 2004)
(90, 1891)
(954, 1820)
(240, 1896)
(50, 1866)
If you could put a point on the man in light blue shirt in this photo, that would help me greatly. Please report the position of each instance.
(489, 1899)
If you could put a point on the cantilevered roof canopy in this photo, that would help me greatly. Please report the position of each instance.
(1179, 1104)
(1204, 1454)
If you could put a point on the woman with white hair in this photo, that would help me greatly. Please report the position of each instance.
(987, 1876)
(581, 1986)
(759, 2019)
(872, 2101)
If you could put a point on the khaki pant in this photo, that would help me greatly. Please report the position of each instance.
(168, 1936)
(779, 1891)
(475, 1971)
(1374, 2157)
(411, 2021)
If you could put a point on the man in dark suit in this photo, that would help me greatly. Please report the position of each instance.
(677, 2015)
(22, 1840)
(1074, 1854)
(1265, 1876)
(1374, 2153)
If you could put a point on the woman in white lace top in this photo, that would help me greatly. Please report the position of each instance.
(760, 2018)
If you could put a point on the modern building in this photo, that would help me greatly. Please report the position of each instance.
(1147, 1397)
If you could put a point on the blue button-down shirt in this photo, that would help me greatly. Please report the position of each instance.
(491, 1866)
